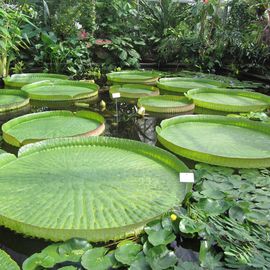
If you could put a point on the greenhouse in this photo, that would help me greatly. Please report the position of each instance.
(134, 134)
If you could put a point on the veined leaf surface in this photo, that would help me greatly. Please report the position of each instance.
(6, 263)
(96, 188)
(218, 140)
(229, 100)
(19, 80)
(52, 124)
(134, 76)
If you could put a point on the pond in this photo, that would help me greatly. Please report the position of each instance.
(123, 123)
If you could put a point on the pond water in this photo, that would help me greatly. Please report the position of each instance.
(123, 123)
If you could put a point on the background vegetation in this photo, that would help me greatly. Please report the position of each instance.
(83, 38)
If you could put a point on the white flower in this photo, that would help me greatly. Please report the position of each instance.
(141, 111)
(78, 25)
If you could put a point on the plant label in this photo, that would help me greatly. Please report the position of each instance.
(186, 177)
(116, 95)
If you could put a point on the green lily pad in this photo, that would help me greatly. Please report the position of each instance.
(160, 258)
(190, 226)
(96, 259)
(232, 147)
(19, 80)
(52, 124)
(166, 104)
(229, 100)
(181, 85)
(132, 92)
(61, 93)
(72, 170)
(134, 76)
(127, 253)
(161, 237)
(6, 262)
(213, 207)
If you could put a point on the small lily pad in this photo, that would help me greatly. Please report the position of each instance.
(162, 237)
(127, 253)
(96, 259)
(213, 207)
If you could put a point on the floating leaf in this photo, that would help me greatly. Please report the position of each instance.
(166, 104)
(141, 179)
(160, 257)
(213, 207)
(19, 80)
(231, 148)
(134, 76)
(132, 92)
(162, 237)
(127, 253)
(6, 262)
(96, 259)
(52, 124)
(229, 100)
(188, 225)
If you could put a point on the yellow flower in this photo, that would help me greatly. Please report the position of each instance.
(173, 217)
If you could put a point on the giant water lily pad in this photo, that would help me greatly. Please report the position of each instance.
(166, 104)
(53, 124)
(19, 80)
(13, 102)
(182, 84)
(134, 76)
(6, 262)
(61, 92)
(218, 140)
(96, 188)
(131, 92)
(229, 100)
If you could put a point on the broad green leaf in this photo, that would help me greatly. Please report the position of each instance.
(45, 125)
(61, 172)
(73, 249)
(11, 100)
(188, 225)
(187, 266)
(131, 92)
(140, 264)
(182, 85)
(127, 253)
(162, 237)
(229, 100)
(237, 213)
(231, 148)
(60, 92)
(160, 257)
(68, 268)
(6, 262)
(96, 259)
(213, 207)
(19, 80)
(134, 76)
(166, 104)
